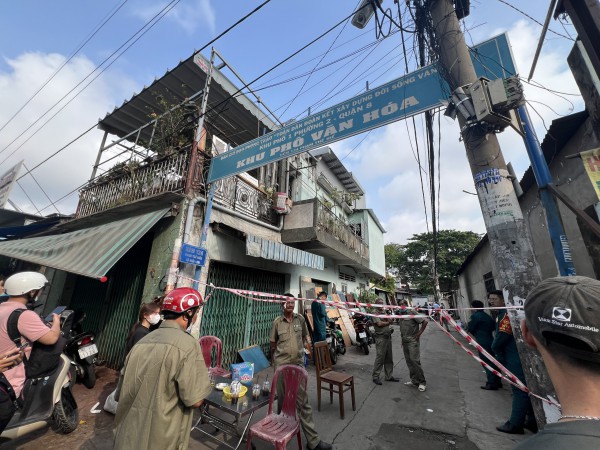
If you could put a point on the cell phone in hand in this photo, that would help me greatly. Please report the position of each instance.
(57, 310)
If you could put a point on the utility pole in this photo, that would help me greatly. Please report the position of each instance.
(513, 260)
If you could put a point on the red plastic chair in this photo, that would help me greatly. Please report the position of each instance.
(207, 344)
(279, 429)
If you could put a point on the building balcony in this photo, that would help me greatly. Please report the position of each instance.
(313, 227)
(238, 195)
(157, 180)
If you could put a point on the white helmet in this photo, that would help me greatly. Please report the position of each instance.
(24, 282)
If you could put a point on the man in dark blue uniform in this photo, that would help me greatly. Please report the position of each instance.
(505, 349)
(482, 327)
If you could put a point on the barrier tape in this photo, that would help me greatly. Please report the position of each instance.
(504, 373)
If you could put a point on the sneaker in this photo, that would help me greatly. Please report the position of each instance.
(377, 382)
(393, 379)
(422, 387)
(409, 383)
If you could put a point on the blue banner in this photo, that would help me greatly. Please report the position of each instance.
(406, 96)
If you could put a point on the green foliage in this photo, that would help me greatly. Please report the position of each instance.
(412, 262)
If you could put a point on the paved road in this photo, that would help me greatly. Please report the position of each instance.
(454, 413)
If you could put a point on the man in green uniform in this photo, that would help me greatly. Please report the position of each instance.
(165, 378)
(482, 327)
(288, 337)
(383, 345)
(505, 350)
(411, 330)
(562, 315)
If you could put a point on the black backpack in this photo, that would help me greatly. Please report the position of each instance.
(43, 359)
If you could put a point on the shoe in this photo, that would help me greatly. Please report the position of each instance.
(422, 387)
(410, 383)
(510, 428)
(531, 426)
(321, 446)
(377, 382)
(394, 379)
(490, 387)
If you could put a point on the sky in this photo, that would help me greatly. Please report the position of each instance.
(42, 110)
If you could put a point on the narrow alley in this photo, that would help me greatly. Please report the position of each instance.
(454, 413)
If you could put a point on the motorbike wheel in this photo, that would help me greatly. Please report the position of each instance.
(365, 347)
(89, 375)
(332, 353)
(65, 416)
(342, 348)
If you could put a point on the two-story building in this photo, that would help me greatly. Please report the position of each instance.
(293, 225)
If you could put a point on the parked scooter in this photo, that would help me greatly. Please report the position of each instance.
(47, 399)
(364, 332)
(81, 348)
(335, 339)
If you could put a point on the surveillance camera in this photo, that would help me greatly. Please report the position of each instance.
(364, 13)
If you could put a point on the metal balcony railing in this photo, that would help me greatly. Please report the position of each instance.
(133, 183)
(238, 195)
(329, 222)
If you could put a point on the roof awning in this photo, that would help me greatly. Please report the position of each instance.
(90, 252)
(264, 248)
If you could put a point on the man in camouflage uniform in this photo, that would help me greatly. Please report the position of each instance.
(288, 337)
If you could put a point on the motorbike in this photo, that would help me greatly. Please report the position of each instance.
(335, 339)
(364, 332)
(81, 348)
(47, 399)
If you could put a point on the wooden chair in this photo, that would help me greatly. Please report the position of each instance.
(338, 382)
(207, 345)
(280, 428)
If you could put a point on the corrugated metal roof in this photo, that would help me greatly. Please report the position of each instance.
(236, 121)
(350, 183)
(90, 252)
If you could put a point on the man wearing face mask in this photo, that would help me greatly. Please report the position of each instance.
(23, 290)
(165, 378)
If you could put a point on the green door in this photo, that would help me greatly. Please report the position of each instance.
(240, 322)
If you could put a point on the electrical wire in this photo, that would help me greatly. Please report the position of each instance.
(77, 50)
(147, 27)
(535, 20)
(239, 21)
(41, 188)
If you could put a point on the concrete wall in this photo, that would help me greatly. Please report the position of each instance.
(471, 284)
(376, 246)
(230, 250)
(570, 177)
(166, 232)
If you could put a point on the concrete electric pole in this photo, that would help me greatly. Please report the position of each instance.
(513, 261)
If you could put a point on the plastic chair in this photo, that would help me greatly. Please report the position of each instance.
(207, 344)
(325, 374)
(279, 429)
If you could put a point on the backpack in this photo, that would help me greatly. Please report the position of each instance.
(43, 359)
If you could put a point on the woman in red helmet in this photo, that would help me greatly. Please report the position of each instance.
(165, 379)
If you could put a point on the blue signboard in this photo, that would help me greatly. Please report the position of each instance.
(404, 97)
(190, 254)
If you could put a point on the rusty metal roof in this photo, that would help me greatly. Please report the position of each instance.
(235, 120)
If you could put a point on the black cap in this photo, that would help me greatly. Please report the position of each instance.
(569, 307)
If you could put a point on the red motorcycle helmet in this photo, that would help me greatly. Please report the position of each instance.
(181, 299)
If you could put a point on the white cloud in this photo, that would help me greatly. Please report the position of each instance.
(385, 163)
(71, 167)
(188, 15)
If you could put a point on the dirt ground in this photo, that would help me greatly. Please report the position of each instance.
(90, 424)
